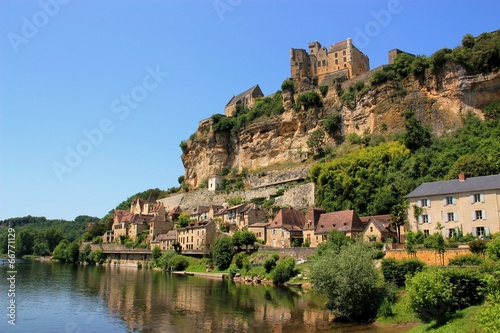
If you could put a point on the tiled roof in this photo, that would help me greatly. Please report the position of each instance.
(456, 186)
(259, 225)
(345, 221)
(384, 218)
(290, 219)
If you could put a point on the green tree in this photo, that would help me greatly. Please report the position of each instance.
(350, 281)
(399, 217)
(60, 251)
(181, 179)
(492, 111)
(53, 236)
(248, 238)
(237, 239)
(183, 220)
(472, 165)
(25, 240)
(156, 254)
(333, 122)
(316, 142)
(335, 242)
(72, 252)
(410, 242)
(284, 270)
(223, 252)
(488, 317)
(178, 262)
(416, 135)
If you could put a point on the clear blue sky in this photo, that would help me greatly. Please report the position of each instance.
(95, 96)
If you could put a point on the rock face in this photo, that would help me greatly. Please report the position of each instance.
(438, 101)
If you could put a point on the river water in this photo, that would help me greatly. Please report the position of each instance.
(52, 297)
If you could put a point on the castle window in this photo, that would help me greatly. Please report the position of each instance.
(344, 59)
(343, 52)
(324, 62)
(345, 66)
(336, 61)
(319, 63)
(336, 55)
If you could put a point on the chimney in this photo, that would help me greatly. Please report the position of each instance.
(461, 177)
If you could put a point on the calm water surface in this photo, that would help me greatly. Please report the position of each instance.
(66, 298)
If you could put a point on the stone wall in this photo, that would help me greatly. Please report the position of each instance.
(429, 257)
(297, 196)
(296, 252)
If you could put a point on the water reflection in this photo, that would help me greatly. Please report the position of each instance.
(66, 298)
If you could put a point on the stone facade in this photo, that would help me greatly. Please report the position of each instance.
(341, 59)
(246, 99)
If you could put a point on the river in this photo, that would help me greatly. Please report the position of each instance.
(52, 297)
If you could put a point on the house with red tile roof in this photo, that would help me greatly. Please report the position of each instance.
(312, 218)
(378, 228)
(286, 227)
(346, 221)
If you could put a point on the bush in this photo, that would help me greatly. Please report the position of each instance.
(323, 90)
(488, 317)
(477, 246)
(241, 261)
(350, 282)
(309, 99)
(284, 270)
(287, 85)
(333, 122)
(184, 146)
(269, 264)
(178, 262)
(493, 249)
(436, 294)
(466, 260)
(396, 272)
(165, 258)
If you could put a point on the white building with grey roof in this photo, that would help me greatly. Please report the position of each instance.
(469, 205)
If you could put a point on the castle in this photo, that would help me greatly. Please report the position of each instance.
(342, 59)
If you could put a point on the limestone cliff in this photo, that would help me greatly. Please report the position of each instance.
(438, 101)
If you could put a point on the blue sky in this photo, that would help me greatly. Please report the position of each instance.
(95, 96)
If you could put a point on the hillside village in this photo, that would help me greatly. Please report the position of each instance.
(464, 205)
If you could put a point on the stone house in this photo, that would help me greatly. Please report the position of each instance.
(159, 225)
(346, 221)
(470, 205)
(312, 218)
(286, 227)
(165, 241)
(377, 228)
(340, 59)
(242, 216)
(246, 99)
(259, 229)
(121, 221)
(197, 236)
(199, 213)
(138, 224)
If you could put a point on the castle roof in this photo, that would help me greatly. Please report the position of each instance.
(235, 99)
(338, 46)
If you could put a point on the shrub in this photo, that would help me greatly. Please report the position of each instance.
(309, 99)
(241, 261)
(488, 317)
(178, 262)
(466, 260)
(333, 122)
(323, 90)
(287, 85)
(283, 271)
(436, 294)
(350, 282)
(493, 249)
(269, 264)
(165, 258)
(477, 246)
(184, 146)
(396, 272)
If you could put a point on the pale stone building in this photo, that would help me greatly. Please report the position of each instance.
(340, 59)
(246, 99)
(286, 227)
(470, 205)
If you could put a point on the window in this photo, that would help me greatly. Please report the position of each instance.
(451, 217)
(336, 61)
(274, 231)
(319, 63)
(425, 218)
(449, 200)
(480, 232)
(450, 233)
(282, 234)
(336, 55)
(345, 66)
(479, 215)
(324, 63)
(343, 52)
(426, 233)
(371, 229)
(425, 202)
(344, 59)
(477, 197)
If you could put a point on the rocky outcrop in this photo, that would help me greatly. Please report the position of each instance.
(438, 101)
